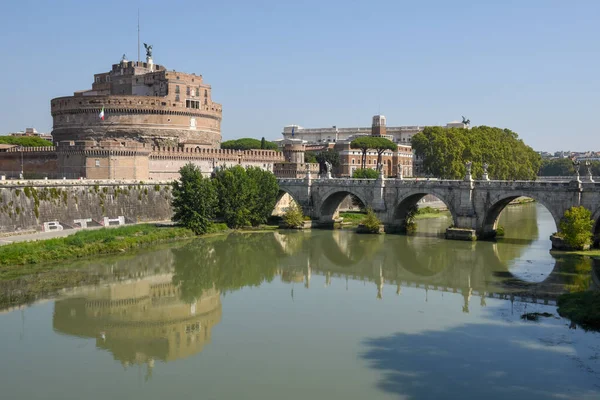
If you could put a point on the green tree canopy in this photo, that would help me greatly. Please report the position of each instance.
(246, 196)
(557, 167)
(248, 144)
(366, 143)
(25, 141)
(445, 152)
(365, 173)
(194, 200)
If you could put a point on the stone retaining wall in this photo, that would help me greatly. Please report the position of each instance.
(68, 204)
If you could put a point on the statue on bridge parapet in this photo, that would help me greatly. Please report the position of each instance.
(328, 168)
(590, 177)
(485, 172)
(577, 165)
(400, 174)
(468, 176)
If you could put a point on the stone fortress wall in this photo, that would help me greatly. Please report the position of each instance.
(124, 160)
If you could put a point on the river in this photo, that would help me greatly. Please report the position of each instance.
(314, 314)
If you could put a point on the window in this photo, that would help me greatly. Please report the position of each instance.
(176, 88)
(205, 93)
(197, 92)
(97, 163)
(187, 90)
(353, 161)
(97, 79)
(176, 97)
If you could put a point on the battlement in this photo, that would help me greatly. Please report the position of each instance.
(36, 149)
(219, 154)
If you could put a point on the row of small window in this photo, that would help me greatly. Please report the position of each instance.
(188, 91)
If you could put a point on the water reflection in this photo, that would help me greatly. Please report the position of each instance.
(166, 308)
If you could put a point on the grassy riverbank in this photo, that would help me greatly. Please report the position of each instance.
(18, 259)
(430, 212)
(583, 308)
(589, 253)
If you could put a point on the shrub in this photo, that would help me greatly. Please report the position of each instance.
(365, 173)
(293, 217)
(371, 222)
(576, 227)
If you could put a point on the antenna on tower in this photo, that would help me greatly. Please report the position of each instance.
(138, 35)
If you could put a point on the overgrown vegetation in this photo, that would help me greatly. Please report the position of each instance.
(370, 222)
(293, 217)
(25, 141)
(82, 244)
(576, 227)
(445, 152)
(353, 218)
(248, 144)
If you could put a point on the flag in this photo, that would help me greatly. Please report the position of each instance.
(102, 114)
(293, 131)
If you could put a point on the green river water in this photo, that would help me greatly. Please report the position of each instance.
(312, 315)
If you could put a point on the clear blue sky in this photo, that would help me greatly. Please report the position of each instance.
(531, 66)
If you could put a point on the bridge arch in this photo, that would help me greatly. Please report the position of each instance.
(498, 203)
(330, 202)
(284, 198)
(410, 199)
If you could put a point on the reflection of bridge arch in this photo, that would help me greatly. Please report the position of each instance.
(501, 201)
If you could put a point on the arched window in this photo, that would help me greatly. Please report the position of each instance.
(353, 161)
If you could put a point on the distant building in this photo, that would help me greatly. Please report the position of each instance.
(32, 132)
(397, 134)
(394, 162)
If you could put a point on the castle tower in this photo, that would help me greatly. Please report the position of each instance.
(378, 126)
(293, 151)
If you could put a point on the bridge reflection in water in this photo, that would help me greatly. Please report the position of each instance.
(162, 306)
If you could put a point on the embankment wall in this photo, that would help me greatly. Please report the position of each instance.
(44, 205)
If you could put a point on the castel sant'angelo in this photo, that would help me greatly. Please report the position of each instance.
(138, 121)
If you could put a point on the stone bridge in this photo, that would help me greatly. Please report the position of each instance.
(474, 204)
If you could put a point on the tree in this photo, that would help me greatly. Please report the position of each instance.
(328, 155)
(381, 144)
(445, 152)
(557, 167)
(248, 144)
(25, 141)
(576, 227)
(264, 194)
(310, 157)
(363, 144)
(263, 143)
(246, 196)
(194, 200)
(365, 173)
(293, 217)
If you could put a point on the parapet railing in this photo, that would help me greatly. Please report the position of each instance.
(30, 149)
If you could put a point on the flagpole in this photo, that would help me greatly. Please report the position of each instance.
(138, 47)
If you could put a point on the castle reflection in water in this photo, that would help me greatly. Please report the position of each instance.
(163, 305)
